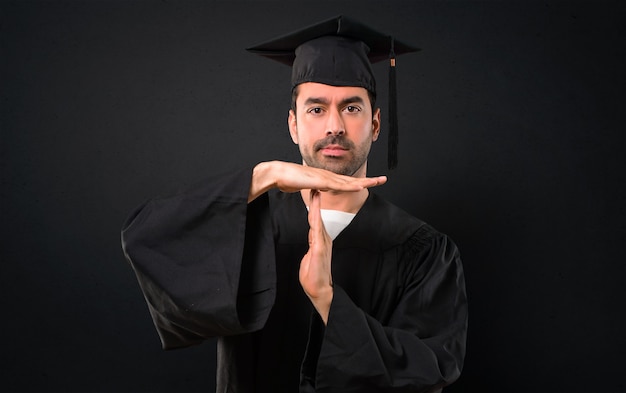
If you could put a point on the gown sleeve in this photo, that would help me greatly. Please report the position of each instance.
(195, 254)
(422, 346)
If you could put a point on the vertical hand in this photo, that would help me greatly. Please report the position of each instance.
(315, 267)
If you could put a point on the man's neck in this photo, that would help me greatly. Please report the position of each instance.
(349, 202)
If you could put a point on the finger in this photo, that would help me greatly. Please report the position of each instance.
(380, 180)
(318, 237)
(374, 181)
(347, 183)
(315, 214)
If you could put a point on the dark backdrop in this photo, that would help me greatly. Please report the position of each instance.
(512, 142)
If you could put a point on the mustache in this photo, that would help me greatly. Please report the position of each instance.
(338, 140)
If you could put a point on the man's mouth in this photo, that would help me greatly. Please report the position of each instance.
(333, 150)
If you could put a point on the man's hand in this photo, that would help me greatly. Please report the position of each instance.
(290, 177)
(315, 267)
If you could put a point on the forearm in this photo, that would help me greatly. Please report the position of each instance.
(173, 242)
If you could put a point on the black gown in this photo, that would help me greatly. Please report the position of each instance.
(212, 265)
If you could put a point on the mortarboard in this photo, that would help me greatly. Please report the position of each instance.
(339, 52)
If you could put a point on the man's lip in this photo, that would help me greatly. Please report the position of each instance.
(333, 147)
(334, 151)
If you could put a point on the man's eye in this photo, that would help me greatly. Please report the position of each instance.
(316, 110)
(352, 108)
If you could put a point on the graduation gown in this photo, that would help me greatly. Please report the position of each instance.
(212, 265)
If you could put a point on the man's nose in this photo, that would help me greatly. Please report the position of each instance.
(335, 125)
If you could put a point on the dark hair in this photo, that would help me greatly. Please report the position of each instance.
(295, 91)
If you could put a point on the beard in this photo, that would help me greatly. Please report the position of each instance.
(346, 165)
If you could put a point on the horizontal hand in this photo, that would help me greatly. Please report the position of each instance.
(290, 177)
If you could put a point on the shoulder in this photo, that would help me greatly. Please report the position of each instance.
(419, 250)
(394, 224)
(398, 228)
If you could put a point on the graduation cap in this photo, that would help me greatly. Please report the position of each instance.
(339, 52)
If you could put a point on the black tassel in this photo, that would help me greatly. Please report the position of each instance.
(392, 143)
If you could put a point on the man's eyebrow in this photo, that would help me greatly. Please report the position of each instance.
(352, 100)
(315, 100)
(345, 101)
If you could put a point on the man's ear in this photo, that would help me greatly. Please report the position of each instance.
(376, 124)
(293, 126)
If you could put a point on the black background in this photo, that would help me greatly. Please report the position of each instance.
(512, 143)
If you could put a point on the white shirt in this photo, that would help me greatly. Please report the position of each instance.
(335, 221)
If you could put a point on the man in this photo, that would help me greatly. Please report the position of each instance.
(311, 282)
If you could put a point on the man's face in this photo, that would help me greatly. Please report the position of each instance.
(334, 127)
